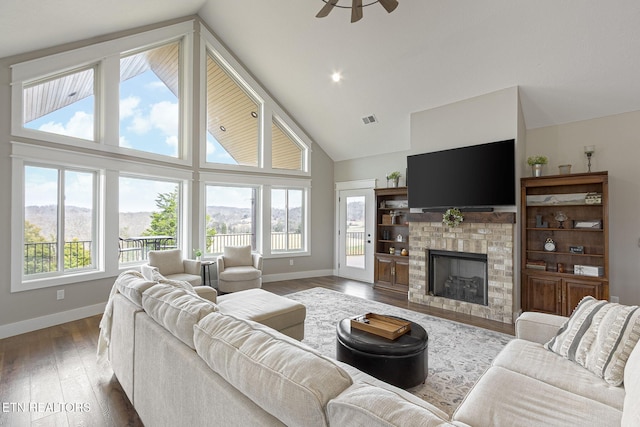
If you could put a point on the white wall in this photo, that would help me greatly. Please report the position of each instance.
(486, 118)
(617, 141)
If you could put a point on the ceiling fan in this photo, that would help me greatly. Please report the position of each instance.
(356, 7)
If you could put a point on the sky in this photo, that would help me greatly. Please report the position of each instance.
(149, 121)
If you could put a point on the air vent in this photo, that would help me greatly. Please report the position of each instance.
(367, 120)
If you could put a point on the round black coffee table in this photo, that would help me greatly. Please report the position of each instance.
(402, 362)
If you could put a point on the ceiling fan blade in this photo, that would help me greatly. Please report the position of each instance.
(389, 5)
(328, 7)
(356, 11)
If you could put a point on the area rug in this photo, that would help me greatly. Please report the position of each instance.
(458, 353)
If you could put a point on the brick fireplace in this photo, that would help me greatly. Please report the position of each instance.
(488, 233)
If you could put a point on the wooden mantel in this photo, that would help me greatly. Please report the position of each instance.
(469, 217)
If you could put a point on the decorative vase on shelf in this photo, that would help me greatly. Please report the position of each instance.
(536, 163)
(392, 179)
(536, 169)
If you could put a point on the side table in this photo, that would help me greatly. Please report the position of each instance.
(206, 271)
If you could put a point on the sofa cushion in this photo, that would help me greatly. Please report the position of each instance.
(367, 405)
(132, 284)
(359, 377)
(239, 273)
(503, 398)
(599, 336)
(631, 411)
(533, 360)
(237, 255)
(168, 262)
(284, 377)
(176, 309)
(263, 307)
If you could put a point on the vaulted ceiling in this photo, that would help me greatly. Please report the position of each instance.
(572, 59)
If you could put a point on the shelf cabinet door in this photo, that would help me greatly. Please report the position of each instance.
(544, 294)
(385, 268)
(401, 272)
(576, 289)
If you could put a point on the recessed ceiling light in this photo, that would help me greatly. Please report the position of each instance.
(336, 77)
(223, 129)
(254, 114)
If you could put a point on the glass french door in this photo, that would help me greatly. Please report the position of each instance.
(355, 257)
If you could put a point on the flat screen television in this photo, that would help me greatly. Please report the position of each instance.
(476, 177)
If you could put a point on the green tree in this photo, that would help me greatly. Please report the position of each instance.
(165, 220)
(39, 254)
(75, 255)
(210, 233)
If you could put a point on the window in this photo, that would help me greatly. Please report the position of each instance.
(287, 153)
(230, 217)
(150, 100)
(287, 220)
(149, 217)
(232, 119)
(62, 105)
(59, 221)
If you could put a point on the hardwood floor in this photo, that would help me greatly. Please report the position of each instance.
(56, 369)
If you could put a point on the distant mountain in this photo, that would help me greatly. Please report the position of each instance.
(78, 220)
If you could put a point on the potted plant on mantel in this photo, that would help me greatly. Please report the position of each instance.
(392, 179)
(536, 163)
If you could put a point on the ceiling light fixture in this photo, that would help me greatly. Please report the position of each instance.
(336, 77)
(356, 7)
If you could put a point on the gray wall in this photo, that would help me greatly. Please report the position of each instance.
(28, 310)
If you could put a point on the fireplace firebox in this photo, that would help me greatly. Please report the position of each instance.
(460, 276)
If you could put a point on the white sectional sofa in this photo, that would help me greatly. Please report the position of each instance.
(184, 360)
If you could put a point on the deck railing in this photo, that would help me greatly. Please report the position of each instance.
(42, 257)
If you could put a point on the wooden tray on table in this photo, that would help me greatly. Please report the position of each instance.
(384, 326)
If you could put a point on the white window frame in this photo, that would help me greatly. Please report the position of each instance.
(105, 57)
(183, 213)
(270, 108)
(264, 183)
(107, 211)
(304, 210)
(224, 180)
(26, 156)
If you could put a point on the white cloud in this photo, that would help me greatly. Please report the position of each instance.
(139, 195)
(164, 116)
(172, 141)
(128, 106)
(80, 125)
(140, 125)
(125, 143)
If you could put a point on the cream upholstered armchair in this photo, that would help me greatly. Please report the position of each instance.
(239, 269)
(171, 265)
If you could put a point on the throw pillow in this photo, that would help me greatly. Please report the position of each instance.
(159, 278)
(132, 284)
(235, 256)
(177, 310)
(599, 336)
(168, 262)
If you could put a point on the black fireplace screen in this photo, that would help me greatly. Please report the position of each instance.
(458, 275)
